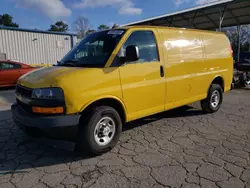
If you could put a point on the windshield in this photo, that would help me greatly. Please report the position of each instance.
(94, 50)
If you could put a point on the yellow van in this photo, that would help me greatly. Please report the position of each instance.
(115, 76)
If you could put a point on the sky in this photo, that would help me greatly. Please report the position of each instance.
(40, 14)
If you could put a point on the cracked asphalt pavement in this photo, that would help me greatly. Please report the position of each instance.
(179, 148)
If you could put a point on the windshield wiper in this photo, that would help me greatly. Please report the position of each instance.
(89, 65)
(71, 62)
(77, 63)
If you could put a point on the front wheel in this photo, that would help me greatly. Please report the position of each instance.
(99, 131)
(214, 99)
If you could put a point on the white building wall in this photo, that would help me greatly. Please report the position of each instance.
(34, 48)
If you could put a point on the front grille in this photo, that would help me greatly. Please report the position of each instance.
(24, 106)
(24, 91)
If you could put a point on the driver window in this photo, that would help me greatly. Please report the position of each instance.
(145, 40)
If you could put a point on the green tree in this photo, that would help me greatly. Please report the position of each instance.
(59, 26)
(102, 27)
(7, 20)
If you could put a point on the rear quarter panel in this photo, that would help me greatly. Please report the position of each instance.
(218, 59)
(193, 59)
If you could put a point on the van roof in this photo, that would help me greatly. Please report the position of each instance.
(174, 28)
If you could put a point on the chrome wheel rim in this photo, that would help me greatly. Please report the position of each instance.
(104, 131)
(215, 99)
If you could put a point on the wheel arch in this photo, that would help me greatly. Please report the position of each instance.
(218, 79)
(111, 101)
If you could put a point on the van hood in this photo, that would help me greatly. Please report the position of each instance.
(44, 77)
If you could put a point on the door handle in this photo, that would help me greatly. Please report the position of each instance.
(162, 71)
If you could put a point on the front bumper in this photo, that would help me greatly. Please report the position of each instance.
(64, 126)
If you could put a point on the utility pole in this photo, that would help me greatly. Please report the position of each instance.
(239, 41)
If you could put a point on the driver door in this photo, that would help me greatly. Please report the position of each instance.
(142, 81)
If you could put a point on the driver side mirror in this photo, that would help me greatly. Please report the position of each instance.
(132, 53)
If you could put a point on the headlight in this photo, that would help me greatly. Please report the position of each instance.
(48, 93)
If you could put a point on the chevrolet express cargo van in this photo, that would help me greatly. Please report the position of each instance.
(115, 76)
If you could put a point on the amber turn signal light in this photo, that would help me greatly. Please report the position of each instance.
(43, 110)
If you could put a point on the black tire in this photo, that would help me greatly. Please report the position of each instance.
(207, 105)
(86, 143)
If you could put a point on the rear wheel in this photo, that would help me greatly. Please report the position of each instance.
(99, 131)
(214, 99)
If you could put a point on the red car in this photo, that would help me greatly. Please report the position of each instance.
(11, 71)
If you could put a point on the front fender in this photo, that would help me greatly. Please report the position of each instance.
(105, 97)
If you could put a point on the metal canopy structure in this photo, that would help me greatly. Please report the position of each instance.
(211, 16)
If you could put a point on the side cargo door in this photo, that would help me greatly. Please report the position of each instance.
(177, 68)
(142, 81)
